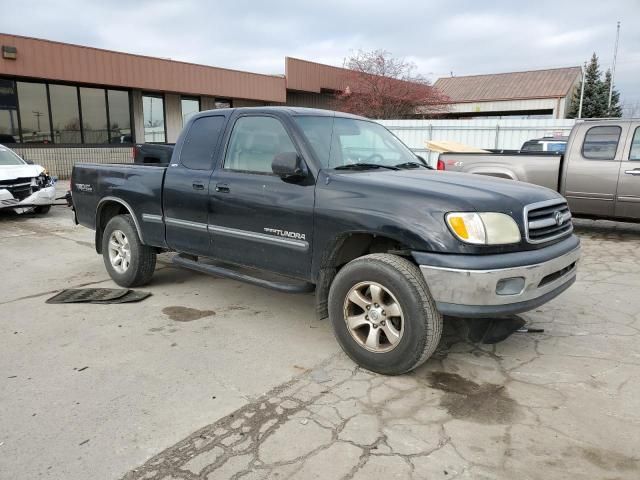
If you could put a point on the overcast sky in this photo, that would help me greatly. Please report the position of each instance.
(463, 37)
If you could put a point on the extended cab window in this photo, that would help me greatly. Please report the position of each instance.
(254, 142)
(634, 154)
(200, 144)
(601, 143)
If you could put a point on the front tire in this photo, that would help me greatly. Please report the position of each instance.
(128, 261)
(383, 315)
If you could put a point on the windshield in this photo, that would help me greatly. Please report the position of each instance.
(346, 141)
(7, 157)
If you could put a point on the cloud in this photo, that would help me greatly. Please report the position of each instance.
(460, 36)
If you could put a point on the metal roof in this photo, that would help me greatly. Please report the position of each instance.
(552, 83)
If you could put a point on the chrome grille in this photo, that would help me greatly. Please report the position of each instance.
(546, 221)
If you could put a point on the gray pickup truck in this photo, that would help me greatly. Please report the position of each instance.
(599, 174)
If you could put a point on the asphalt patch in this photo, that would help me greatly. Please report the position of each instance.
(186, 314)
(465, 399)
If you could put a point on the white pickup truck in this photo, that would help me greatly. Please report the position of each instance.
(598, 174)
(24, 187)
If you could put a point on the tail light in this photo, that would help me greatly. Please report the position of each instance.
(134, 153)
(440, 165)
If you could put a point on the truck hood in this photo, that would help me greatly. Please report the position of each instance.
(459, 191)
(11, 172)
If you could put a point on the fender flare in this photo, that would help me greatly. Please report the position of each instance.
(99, 208)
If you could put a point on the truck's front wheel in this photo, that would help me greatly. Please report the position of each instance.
(128, 261)
(383, 315)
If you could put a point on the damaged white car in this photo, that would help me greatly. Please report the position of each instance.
(24, 187)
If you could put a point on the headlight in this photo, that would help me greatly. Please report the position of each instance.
(488, 228)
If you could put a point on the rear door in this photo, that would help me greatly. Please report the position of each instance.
(186, 187)
(628, 197)
(591, 178)
(258, 219)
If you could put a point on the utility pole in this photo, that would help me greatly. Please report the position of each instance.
(38, 115)
(584, 75)
(613, 67)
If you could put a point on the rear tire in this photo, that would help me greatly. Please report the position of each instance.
(42, 209)
(128, 261)
(383, 315)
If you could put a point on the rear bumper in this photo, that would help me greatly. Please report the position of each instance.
(516, 287)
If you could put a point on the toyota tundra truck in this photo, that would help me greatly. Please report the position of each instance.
(304, 200)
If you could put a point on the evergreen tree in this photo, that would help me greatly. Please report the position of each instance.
(616, 109)
(593, 104)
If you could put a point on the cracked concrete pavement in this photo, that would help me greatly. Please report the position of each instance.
(211, 379)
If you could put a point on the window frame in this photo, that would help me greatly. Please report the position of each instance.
(16, 80)
(164, 113)
(78, 105)
(15, 92)
(77, 87)
(230, 135)
(636, 131)
(215, 148)
(615, 153)
(193, 99)
(130, 103)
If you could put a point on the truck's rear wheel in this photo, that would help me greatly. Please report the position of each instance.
(383, 315)
(128, 261)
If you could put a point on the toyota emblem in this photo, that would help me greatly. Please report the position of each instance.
(558, 217)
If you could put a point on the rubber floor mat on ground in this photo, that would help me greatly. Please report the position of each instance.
(98, 295)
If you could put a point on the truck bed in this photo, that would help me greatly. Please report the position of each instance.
(540, 168)
(94, 184)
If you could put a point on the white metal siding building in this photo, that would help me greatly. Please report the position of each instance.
(533, 94)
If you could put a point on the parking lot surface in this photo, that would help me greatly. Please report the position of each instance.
(211, 378)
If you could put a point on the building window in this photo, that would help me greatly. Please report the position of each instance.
(9, 132)
(94, 115)
(223, 103)
(34, 112)
(65, 115)
(119, 117)
(153, 114)
(190, 106)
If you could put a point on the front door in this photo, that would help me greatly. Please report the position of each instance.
(628, 198)
(186, 187)
(592, 173)
(256, 218)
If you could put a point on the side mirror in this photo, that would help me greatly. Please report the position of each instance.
(288, 166)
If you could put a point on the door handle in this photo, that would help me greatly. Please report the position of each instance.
(222, 188)
(633, 172)
(198, 186)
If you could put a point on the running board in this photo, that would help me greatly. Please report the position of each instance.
(230, 272)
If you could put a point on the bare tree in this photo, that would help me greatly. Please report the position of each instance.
(377, 85)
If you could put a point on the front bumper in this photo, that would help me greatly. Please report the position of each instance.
(44, 196)
(474, 292)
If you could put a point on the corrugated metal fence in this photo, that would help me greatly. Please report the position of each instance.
(498, 134)
(503, 134)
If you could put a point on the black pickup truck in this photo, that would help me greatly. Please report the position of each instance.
(304, 200)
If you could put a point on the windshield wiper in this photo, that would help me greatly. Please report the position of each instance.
(413, 165)
(364, 166)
